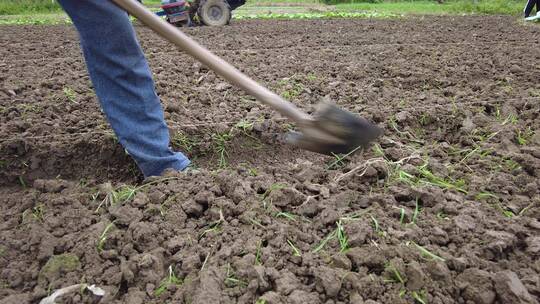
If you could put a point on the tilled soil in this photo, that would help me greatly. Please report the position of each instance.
(444, 208)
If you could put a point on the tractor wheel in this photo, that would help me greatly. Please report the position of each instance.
(214, 12)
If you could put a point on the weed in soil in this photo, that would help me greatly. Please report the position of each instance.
(295, 250)
(171, 279)
(104, 236)
(70, 94)
(184, 142)
(231, 280)
(220, 141)
(426, 253)
(342, 237)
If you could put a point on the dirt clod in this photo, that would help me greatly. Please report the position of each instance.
(477, 286)
(510, 289)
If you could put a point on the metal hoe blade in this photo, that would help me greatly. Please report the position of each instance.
(334, 131)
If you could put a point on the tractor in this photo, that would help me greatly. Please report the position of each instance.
(207, 12)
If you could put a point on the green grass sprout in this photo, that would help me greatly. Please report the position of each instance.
(184, 142)
(258, 253)
(396, 276)
(231, 280)
(426, 253)
(342, 237)
(325, 241)
(221, 141)
(103, 236)
(416, 212)
(287, 215)
(165, 283)
(70, 94)
(419, 297)
(401, 215)
(296, 251)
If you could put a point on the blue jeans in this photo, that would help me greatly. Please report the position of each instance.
(123, 83)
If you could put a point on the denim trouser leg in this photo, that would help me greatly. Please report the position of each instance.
(123, 83)
(529, 6)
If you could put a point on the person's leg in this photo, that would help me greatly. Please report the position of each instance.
(123, 83)
(528, 8)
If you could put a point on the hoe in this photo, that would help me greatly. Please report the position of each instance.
(330, 130)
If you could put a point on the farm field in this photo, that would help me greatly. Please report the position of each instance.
(444, 208)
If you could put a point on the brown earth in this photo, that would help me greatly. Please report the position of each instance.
(443, 209)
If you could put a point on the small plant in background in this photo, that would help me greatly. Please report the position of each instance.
(171, 279)
(505, 164)
(244, 126)
(339, 159)
(426, 253)
(325, 241)
(220, 147)
(340, 233)
(401, 215)
(395, 275)
(430, 178)
(419, 297)
(511, 164)
(215, 226)
(37, 212)
(287, 215)
(425, 119)
(257, 223)
(253, 171)
(378, 151)
(22, 182)
(258, 253)
(505, 211)
(115, 196)
(376, 227)
(524, 136)
(311, 77)
(103, 236)
(231, 280)
(70, 94)
(442, 216)
(337, 163)
(494, 200)
(266, 194)
(486, 196)
(524, 210)
(416, 212)
(296, 251)
(510, 119)
(402, 293)
(482, 135)
(342, 237)
(290, 88)
(184, 142)
(287, 127)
